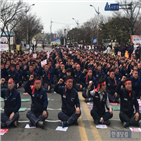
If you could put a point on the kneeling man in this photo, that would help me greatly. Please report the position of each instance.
(12, 102)
(127, 102)
(70, 102)
(38, 112)
(100, 99)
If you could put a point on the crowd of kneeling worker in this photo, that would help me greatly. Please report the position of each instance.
(102, 78)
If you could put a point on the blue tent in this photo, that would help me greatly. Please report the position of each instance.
(56, 42)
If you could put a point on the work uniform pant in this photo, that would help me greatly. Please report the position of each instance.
(71, 119)
(96, 115)
(130, 54)
(137, 57)
(55, 79)
(35, 117)
(84, 94)
(122, 53)
(129, 118)
(20, 83)
(5, 119)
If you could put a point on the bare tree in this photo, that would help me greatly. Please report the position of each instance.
(11, 15)
(91, 28)
(33, 24)
(60, 34)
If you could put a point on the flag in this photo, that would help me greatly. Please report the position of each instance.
(95, 40)
(55, 36)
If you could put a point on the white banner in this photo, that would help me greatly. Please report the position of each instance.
(4, 40)
(39, 45)
(43, 63)
(34, 55)
(4, 47)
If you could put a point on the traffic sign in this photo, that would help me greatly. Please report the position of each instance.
(112, 7)
(107, 7)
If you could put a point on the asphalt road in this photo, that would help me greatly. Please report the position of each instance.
(85, 131)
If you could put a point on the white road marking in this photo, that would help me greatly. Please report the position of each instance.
(45, 120)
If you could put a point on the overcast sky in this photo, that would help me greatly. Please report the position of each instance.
(63, 12)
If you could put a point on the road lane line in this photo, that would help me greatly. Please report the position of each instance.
(94, 130)
(82, 130)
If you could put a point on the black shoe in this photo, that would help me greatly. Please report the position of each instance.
(96, 121)
(125, 124)
(3, 125)
(76, 123)
(30, 124)
(107, 122)
(64, 124)
(40, 124)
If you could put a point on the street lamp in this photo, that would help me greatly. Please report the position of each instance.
(77, 25)
(27, 19)
(98, 13)
(76, 21)
(64, 36)
(29, 8)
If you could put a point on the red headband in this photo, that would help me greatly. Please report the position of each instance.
(18, 65)
(45, 65)
(37, 81)
(69, 80)
(103, 83)
(63, 65)
(31, 66)
(135, 72)
(78, 65)
(126, 82)
(89, 70)
(10, 81)
(112, 72)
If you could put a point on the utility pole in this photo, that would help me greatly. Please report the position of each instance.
(64, 37)
(97, 11)
(77, 23)
(130, 7)
(27, 22)
(131, 20)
